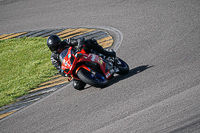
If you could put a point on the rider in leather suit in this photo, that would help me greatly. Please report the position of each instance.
(57, 46)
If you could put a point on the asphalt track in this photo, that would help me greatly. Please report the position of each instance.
(161, 44)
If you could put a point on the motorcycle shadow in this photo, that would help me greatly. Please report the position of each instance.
(132, 72)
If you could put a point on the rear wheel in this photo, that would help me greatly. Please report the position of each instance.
(122, 66)
(92, 78)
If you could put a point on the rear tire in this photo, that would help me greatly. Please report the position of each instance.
(123, 67)
(97, 79)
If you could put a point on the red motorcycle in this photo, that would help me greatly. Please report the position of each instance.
(92, 68)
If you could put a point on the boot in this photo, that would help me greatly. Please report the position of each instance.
(78, 85)
(110, 53)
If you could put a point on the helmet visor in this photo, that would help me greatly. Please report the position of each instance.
(54, 49)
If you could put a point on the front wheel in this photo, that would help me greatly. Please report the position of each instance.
(92, 78)
(122, 66)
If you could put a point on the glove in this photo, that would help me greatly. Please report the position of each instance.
(71, 42)
(81, 42)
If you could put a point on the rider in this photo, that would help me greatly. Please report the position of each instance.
(57, 46)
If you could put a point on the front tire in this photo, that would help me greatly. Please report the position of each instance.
(92, 78)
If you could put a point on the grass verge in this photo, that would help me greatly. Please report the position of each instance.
(24, 63)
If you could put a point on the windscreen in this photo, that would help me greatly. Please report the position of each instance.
(68, 53)
(63, 54)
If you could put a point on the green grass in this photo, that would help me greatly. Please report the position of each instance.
(24, 64)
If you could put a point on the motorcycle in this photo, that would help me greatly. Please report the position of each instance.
(93, 68)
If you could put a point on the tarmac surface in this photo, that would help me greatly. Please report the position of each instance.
(161, 44)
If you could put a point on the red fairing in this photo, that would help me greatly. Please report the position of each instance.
(66, 63)
(93, 58)
(70, 60)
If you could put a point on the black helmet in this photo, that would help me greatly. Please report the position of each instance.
(53, 42)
